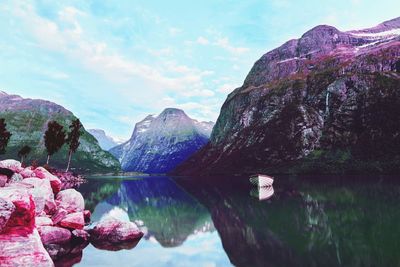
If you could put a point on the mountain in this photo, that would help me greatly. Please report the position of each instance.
(106, 142)
(27, 121)
(158, 144)
(328, 102)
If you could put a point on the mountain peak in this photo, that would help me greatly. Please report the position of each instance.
(172, 111)
(321, 29)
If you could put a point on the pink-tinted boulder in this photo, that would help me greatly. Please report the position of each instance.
(24, 213)
(6, 209)
(115, 231)
(80, 234)
(23, 248)
(43, 221)
(11, 164)
(16, 177)
(59, 215)
(27, 172)
(70, 200)
(73, 221)
(54, 235)
(42, 194)
(55, 183)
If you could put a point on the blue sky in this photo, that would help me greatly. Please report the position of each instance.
(113, 62)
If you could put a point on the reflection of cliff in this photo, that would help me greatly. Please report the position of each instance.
(318, 226)
(169, 214)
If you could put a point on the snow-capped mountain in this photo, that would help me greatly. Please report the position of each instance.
(106, 142)
(159, 143)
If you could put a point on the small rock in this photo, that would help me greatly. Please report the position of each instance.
(54, 235)
(16, 178)
(81, 234)
(27, 173)
(87, 215)
(55, 183)
(73, 221)
(6, 209)
(43, 221)
(115, 231)
(3, 180)
(70, 200)
(59, 215)
(24, 214)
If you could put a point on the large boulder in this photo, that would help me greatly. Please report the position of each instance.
(42, 194)
(24, 214)
(27, 172)
(115, 231)
(6, 209)
(42, 173)
(11, 164)
(54, 235)
(70, 200)
(73, 221)
(23, 248)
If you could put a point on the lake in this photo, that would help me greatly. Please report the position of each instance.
(221, 221)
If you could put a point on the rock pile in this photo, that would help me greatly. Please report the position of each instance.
(40, 223)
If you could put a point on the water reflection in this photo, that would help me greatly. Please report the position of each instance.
(214, 221)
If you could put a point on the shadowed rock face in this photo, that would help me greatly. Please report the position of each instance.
(327, 91)
(160, 143)
(27, 121)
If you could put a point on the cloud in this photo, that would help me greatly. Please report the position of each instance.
(225, 44)
(226, 88)
(174, 31)
(202, 40)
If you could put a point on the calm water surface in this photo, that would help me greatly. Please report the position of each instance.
(220, 221)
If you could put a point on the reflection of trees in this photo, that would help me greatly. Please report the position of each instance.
(97, 190)
(322, 225)
(169, 214)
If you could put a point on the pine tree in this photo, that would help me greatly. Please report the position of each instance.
(54, 138)
(23, 152)
(73, 139)
(4, 136)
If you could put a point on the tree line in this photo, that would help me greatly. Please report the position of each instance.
(54, 138)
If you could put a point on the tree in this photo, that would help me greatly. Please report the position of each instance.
(54, 138)
(23, 152)
(4, 136)
(73, 139)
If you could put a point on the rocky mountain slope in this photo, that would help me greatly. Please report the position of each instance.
(158, 144)
(106, 142)
(326, 102)
(27, 121)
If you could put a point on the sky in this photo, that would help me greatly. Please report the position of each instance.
(114, 62)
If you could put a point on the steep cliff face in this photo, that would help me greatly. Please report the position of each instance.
(158, 144)
(27, 121)
(327, 102)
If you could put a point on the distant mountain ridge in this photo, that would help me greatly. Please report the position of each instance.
(159, 143)
(27, 121)
(328, 102)
(106, 142)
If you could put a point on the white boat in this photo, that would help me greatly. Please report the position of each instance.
(261, 180)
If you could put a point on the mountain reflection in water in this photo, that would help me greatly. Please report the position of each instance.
(216, 222)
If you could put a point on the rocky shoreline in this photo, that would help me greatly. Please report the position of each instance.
(41, 223)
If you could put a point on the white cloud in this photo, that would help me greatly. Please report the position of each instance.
(226, 88)
(225, 44)
(202, 40)
(174, 31)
